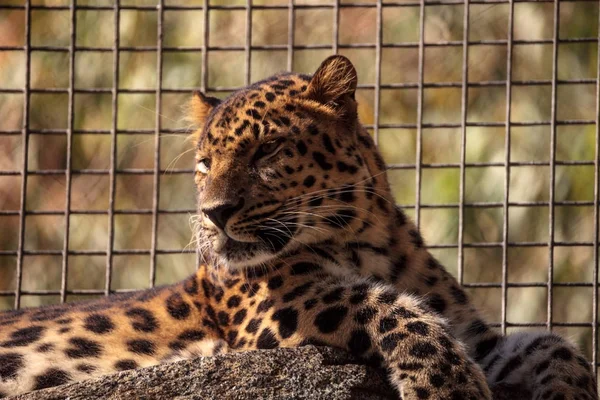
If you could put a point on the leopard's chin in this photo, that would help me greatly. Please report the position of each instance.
(235, 254)
(224, 244)
(263, 245)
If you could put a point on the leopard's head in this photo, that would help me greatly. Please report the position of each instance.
(283, 164)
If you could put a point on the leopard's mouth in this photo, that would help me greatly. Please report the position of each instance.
(220, 242)
(235, 254)
(223, 244)
(266, 243)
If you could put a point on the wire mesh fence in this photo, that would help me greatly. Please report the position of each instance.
(486, 111)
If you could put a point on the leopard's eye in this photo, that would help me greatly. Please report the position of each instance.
(270, 148)
(203, 166)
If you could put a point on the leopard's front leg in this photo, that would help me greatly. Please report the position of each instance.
(376, 323)
(540, 363)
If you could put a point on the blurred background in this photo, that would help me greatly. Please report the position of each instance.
(299, 34)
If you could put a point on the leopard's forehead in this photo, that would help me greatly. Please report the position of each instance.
(262, 108)
(267, 91)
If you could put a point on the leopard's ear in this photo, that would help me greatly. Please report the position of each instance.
(200, 108)
(334, 81)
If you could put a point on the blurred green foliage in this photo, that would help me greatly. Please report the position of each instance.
(137, 70)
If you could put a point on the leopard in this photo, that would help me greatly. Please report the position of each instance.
(301, 243)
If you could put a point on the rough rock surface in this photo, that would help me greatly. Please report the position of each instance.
(297, 373)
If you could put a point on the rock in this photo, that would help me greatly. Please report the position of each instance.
(296, 373)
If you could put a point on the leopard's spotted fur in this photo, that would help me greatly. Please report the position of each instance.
(303, 244)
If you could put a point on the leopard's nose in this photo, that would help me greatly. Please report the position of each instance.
(220, 214)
